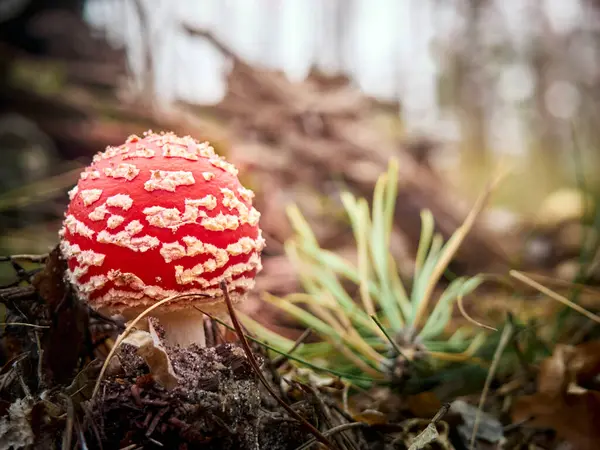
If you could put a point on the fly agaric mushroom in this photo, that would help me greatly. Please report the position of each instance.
(158, 216)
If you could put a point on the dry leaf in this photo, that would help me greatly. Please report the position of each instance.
(421, 434)
(371, 416)
(561, 402)
(427, 436)
(489, 428)
(150, 348)
(424, 405)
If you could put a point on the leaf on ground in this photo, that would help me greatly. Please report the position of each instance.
(489, 428)
(424, 405)
(422, 434)
(562, 403)
(151, 349)
(371, 417)
(427, 436)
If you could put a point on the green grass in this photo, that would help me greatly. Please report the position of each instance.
(368, 336)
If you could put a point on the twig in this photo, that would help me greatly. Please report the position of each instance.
(149, 401)
(279, 360)
(339, 409)
(39, 361)
(23, 324)
(155, 421)
(219, 45)
(328, 419)
(17, 371)
(505, 337)
(338, 429)
(24, 387)
(441, 413)
(155, 442)
(345, 393)
(68, 433)
(78, 390)
(238, 328)
(513, 426)
(559, 298)
(13, 292)
(89, 419)
(262, 82)
(12, 363)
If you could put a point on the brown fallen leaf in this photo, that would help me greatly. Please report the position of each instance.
(371, 417)
(561, 402)
(151, 349)
(424, 405)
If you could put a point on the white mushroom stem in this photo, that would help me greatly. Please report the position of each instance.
(182, 327)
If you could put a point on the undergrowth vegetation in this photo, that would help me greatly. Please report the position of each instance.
(395, 329)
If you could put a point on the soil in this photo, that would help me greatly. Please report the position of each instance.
(217, 405)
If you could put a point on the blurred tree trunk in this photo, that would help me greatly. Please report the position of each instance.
(590, 113)
(543, 47)
(471, 87)
(147, 88)
(343, 16)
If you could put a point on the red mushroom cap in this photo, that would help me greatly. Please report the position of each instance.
(158, 216)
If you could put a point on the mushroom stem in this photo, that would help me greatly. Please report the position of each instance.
(182, 327)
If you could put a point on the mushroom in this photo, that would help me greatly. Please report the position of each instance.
(157, 216)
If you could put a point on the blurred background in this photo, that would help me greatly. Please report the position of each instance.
(309, 97)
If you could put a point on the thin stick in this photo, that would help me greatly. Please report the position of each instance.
(280, 359)
(23, 324)
(505, 337)
(240, 332)
(40, 361)
(338, 429)
(440, 414)
(68, 432)
(564, 283)
(559, 298)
